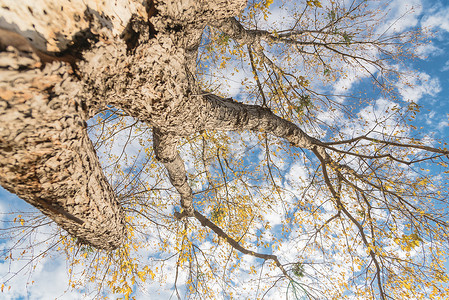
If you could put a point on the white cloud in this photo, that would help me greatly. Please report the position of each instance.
(416, 86)
(427, 50)
(232, 82)
(443, 125)
(46, 277)
(297, 172)
(345, 82)
(330, 118)
(279, 18)
(354, 73)
(429, 117)
(438, 19)
(379, 116)
(228, 80)
(403, 15)
(445, 67)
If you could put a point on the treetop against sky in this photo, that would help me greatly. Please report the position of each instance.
(224, 149)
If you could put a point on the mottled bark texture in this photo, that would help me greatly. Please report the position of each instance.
(165, 148)
(144, 66)
(226, 114)
(137, 56)
(46, 157)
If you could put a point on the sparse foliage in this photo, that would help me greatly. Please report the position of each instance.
(296, 185)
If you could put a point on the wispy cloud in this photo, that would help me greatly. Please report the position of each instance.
(437, 19)
(445, 67)
(403, 15)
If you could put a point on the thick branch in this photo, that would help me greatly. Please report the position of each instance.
(207, 223)
(226, 114)
(233, 28)
(165, 148)
(45, 154)
(341, 207)
(390, 143)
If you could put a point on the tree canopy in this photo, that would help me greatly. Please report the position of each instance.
(222, 149)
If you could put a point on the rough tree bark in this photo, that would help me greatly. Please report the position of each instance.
(62, 61)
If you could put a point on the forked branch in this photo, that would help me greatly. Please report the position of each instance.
(235, 244)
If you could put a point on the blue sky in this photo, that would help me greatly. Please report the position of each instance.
(430, 92)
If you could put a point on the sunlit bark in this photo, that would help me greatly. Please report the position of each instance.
(47, 159)
(46, 156)
(144, 64)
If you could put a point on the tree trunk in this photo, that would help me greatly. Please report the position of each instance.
(61, 62)
(47, 158)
